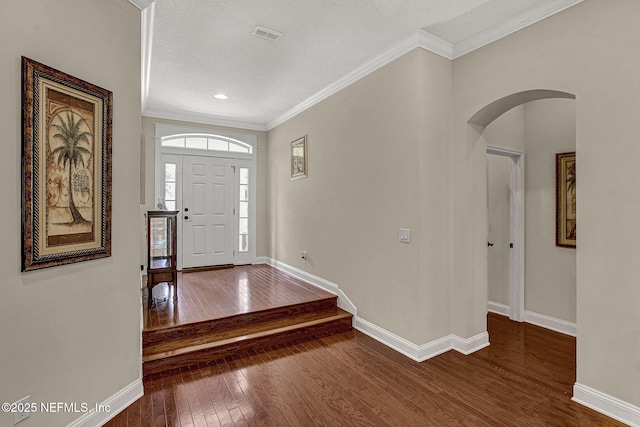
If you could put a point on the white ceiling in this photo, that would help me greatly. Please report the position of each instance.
(194, 49)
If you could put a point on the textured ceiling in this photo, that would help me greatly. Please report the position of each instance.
(201, 48)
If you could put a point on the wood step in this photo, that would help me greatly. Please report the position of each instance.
(211, 350)
(220, 334)
(237, 324)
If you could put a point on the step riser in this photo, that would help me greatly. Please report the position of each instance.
(230, 324)
(246, 330)
(206, 355)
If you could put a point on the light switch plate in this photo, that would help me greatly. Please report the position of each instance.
(405, 235)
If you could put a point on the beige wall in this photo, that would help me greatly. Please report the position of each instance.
(508, 130)
(550, 271)
(377, 163)
(589, 50)
(363, 185)
(391, 151)
(71, 333)
(148, 131)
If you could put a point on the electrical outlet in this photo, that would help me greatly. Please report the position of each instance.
(303, 255)
(22, 410)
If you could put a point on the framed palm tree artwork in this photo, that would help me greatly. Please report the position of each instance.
(66, 165)
(566, 199)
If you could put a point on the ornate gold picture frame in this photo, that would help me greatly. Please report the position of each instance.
(566, 200)
(66, 165)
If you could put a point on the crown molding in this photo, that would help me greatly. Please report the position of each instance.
(428, 41)
(141, 4)
(202, 118)
(510, 26)
(422, 39)
(357, 74)
(434, 44)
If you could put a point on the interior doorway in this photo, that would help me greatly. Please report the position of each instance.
(506, 247)
(505, 254)
(476, 127)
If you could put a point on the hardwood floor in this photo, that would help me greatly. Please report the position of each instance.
(523, 379)
(215, 294)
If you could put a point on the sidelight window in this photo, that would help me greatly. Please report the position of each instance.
(170, 183)
(243, 211)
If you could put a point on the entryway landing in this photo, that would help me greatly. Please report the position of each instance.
(227, 311)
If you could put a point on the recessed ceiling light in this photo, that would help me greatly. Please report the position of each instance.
(221, 96)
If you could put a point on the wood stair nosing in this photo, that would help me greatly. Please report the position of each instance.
(191, 355)
(271, 332)
(214, 334)
(149, 337)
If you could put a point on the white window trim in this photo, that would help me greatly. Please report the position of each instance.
(164, 130)
(207, 136)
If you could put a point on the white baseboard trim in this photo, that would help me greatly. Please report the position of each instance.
(552, 323)
(606, 404)
(537, 319)
(261, 260)
(116, 403)
(498, 308)
(420, 353)
(416, 352)
(399, 344)
(470, 345)
(343, 301)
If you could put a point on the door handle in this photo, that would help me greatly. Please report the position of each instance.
(186, 217)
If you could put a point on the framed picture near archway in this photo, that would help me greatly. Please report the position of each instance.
(566, 199)
(66, 165)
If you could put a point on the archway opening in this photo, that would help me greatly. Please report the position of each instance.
(542, 313)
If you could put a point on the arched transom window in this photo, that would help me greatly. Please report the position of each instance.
(206, 142)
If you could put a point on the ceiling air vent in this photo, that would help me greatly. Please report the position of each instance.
(266, 33)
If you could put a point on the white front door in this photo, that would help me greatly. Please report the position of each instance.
(207, 211)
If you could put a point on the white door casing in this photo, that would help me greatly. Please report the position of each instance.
(516, 254)
(498, 231)
(244, 247)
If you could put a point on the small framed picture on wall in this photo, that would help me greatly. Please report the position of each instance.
(299, 158)
(566, 199)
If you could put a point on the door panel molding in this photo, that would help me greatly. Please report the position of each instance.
(208, 189)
